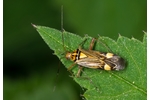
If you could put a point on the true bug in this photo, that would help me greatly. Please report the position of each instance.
(91, 58)
(95, 59)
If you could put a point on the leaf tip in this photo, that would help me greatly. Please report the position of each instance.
(133, 38)
(119, 35)
(99, 35)
(144, 32)
(34, 25)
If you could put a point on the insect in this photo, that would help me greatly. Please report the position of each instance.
(91, 58)
(95, 59)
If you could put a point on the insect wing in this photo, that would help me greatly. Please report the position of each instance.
(93, 54)
(91, 63)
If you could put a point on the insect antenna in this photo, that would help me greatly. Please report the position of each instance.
(104, 44)
(62, 30)
(55, 81)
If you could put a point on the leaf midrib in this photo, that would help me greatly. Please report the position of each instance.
(56, 39)
(126, 81)
(130, 83)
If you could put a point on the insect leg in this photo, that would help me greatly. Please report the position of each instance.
(92, 44)
(71, 66)
(80, 45)
(79, 71)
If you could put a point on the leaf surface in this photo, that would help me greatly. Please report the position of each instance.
(100, 84)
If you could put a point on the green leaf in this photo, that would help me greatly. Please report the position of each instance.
(100, 84)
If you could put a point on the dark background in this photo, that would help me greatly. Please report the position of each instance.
(30, 68)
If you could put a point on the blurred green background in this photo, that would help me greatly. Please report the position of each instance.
(30, 67)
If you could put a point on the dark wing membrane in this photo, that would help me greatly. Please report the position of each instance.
(111, 64)
(116, 62)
